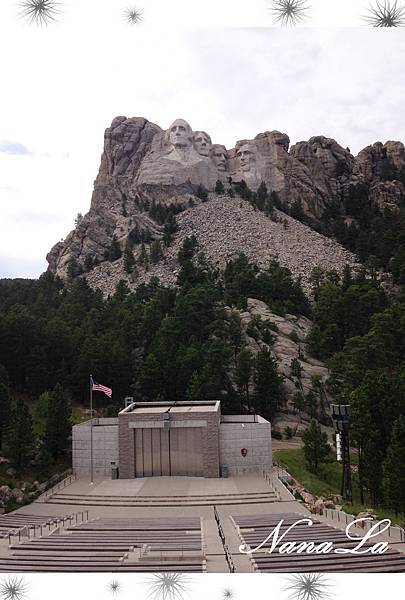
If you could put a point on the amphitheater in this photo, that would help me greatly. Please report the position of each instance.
(152, 522)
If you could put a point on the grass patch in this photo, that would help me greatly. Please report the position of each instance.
(327, 481)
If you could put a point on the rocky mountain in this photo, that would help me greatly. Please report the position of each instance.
(148, 174)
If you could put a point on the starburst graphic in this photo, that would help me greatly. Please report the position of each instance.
(39, 12)
(115, 587)
(228, 594)
(308, 586)
(133, 15)
(168, 586)
(13, 588)
(387, 13)
(289, 12)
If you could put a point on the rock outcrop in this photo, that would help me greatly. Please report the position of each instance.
(381, 167)
(290, 332)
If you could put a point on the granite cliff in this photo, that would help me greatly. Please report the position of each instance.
(146, 171)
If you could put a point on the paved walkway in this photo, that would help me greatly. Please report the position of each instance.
(166, 486)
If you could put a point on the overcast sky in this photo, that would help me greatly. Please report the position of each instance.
(217, 64)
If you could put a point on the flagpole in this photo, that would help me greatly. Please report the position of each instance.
(91, 430)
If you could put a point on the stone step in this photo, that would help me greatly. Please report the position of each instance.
(113, 568)
(89, 501)
(172, 496)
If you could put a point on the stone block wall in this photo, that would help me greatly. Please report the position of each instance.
(105, 447)
(210, 437)
(236, 433)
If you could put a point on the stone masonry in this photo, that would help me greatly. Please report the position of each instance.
(210, 437)
(237, 433)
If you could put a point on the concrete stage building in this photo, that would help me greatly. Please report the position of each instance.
(153, 439)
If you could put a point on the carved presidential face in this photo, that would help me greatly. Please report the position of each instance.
(180, 134)
(202, 143)
(220, 157)
(246, 155)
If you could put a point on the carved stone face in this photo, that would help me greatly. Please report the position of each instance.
(220, 157)
(180, 134)
(202, 143)
(246, 155)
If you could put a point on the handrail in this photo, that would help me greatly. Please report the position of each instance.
(228, 555)
(56, 521)
(58, 486)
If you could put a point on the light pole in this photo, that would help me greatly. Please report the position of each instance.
(340, 418)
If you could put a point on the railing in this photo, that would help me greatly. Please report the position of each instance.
(228, 555)
(59, 485)
(278, 486)
(30, 531)
(395, 533)
(270, 481)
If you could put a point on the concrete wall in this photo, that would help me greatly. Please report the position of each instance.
(228, 439)
(237, 432)
(105, 447)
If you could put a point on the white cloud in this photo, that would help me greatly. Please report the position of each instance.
(7, 147)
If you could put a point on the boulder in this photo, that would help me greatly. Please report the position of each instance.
(6, 493)
(18, 495)
(318, 506)
(307, 497)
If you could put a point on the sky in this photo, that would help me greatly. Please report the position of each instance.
(219, 64)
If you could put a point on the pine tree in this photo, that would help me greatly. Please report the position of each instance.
(244, 369)
(74, 269)
(156, 252)
(202, 193)
(219, 187)
(169, 230)
(88, 263)
(79, 219)
(129, 260)
(58, 425)
(143, 258)
(268, 391)
(19, 437)
(262, 195)
(114, 252)
(316, 447)
(5, 410)
(40, 412)
(297, 212)
(393, 469)
(296, 368)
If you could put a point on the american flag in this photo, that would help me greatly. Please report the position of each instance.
(97, 387)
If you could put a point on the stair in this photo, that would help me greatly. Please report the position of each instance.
(189, 500)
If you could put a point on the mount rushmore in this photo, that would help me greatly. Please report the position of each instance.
(179, 159)
(143, 165)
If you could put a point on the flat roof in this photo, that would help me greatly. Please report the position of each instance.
(171, 407)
